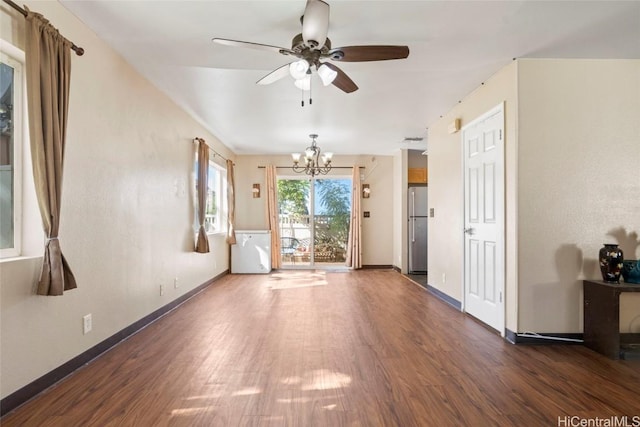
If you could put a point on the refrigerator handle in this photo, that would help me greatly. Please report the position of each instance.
(413, 203)
(413, 230)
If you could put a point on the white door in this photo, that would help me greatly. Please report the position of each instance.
(483, 145)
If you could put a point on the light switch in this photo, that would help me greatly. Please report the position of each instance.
(432, 212)
(367, 214)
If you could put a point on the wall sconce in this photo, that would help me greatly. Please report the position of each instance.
(366, 191)
(256, 191)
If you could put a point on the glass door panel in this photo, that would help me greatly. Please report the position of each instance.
(331, 216)
(294, 201)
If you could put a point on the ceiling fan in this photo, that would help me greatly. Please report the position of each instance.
(313, 50)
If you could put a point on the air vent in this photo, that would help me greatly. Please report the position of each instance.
(412, 139)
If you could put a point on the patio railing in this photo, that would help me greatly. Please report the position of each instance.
(299, 228)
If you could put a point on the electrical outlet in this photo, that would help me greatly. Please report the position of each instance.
(175, 283)
(444, 278)
(86, 324)
(161, 290)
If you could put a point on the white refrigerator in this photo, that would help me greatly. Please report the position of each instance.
(252, 252)
(418, 211)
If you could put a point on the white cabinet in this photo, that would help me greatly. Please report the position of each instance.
(252, 252)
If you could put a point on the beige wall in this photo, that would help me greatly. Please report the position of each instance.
(579, 169)
(400, 213)
(572, 151)
(126, 212)
(377, 172)
(377, 231)
(446, 249)
(250, 212)
(399, 179)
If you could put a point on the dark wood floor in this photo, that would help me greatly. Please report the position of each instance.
(301, 348)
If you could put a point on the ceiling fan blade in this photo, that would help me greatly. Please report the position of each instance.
(250, 45)
(368, 53)
(342, 81)
(275, 75)
(315, 23)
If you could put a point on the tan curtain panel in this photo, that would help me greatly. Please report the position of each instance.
(273, 222)
(202, 242)
(231, 203)
(354, 245)
(48, 71)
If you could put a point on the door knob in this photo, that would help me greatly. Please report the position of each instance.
(469, 231)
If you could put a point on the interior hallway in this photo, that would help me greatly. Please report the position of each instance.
(302, 348)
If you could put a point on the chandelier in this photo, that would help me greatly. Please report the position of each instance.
(314, 163)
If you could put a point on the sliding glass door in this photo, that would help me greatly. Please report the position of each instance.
(314, 220)
(294, 207)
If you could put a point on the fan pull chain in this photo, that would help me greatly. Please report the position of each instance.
(302, 95)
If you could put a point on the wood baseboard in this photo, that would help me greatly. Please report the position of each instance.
(444, 297)
(377, 267)
(32, 389)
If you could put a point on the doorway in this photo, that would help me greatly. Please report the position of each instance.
(314, 216)
(483, 148)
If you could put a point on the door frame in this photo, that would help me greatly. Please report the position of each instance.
(501, 238)
(312, 264)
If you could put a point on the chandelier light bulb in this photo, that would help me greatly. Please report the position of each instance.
(308, 154)
(326, 158)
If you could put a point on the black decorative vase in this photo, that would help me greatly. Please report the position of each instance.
(611, 262)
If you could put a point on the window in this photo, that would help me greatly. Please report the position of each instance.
(216, 209)
(11, 142)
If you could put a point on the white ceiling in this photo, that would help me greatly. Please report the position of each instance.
(454, 46)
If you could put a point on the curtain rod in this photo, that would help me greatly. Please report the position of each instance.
(332, 167)
(196, 139)
(79, 51)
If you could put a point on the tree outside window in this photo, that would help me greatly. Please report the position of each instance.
(216, 208)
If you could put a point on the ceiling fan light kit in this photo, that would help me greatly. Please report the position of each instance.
(304, 83)
(313, 49)
(326, 74)
(298, 69)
